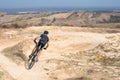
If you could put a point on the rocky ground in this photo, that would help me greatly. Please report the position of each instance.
(74, 54)
(80, 18)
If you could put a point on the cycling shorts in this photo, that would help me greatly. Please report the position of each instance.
(41, 44)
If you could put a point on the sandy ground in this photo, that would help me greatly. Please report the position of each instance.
(62, 41)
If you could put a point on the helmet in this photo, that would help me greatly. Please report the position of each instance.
(46, 32)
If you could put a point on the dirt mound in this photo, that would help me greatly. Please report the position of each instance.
(18, 52)
(100, 63)
(4, 75)
(109, 53)
(108, 56)
(73, 70)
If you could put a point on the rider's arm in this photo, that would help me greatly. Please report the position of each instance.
(47, 45)
(36, 38)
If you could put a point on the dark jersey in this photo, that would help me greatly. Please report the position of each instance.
(44, 38)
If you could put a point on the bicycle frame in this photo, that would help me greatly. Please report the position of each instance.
(31, 61)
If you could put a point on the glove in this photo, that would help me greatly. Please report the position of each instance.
(45, 48)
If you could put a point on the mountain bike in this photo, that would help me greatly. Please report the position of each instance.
(32, 60)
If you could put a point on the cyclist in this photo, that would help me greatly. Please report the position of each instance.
(43, 42)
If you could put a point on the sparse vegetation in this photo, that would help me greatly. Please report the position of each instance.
(75, 53)
(59, 19)
(114, 19)
(118, 26)
(2, 14)
(19, 25)
(67, 25)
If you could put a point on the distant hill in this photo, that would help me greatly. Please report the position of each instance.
(81, 18)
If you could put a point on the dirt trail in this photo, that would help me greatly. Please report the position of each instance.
(13, 69)
(61, 42)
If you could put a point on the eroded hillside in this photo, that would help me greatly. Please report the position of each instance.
(80, 18)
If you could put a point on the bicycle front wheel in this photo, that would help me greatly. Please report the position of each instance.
(29, 63)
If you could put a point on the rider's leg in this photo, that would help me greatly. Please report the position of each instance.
(32, 51)
(39, 53)
(35, 48)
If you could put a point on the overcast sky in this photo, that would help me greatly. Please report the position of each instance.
(58, 3)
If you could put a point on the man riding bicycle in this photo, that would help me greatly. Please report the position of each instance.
(43, 42)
